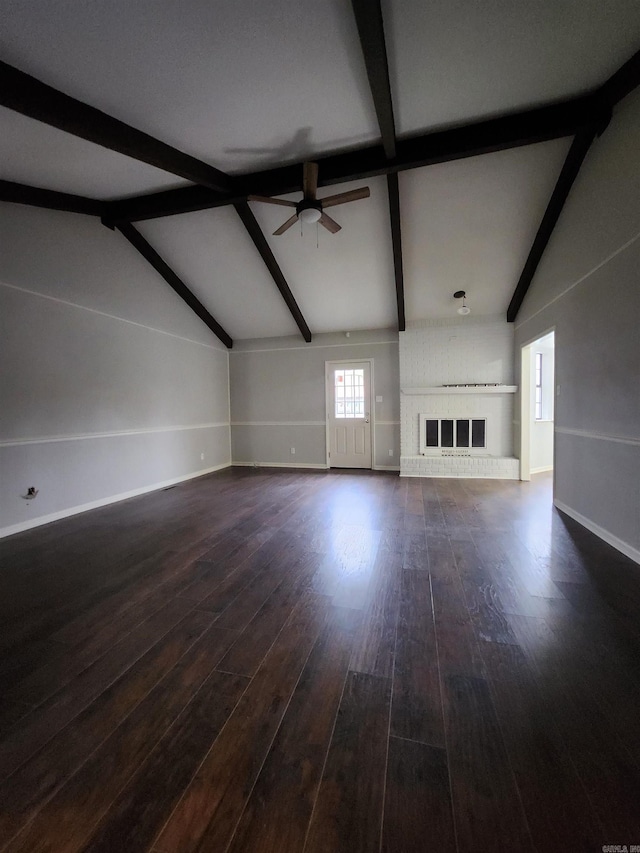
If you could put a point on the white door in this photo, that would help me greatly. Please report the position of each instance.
(348, 414)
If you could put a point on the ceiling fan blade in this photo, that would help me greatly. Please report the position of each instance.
(272, 200)
(286, 225)
(330, 224)
(310, 180)
(342, 198)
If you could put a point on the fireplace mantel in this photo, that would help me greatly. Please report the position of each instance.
(478, 389)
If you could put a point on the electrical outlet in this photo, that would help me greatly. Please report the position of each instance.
(201, 457)
(379, 398)
(391, 453)
(293, 451)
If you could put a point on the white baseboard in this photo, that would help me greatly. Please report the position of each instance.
(315, 465)
(600, 532)
(458, 476)
(76, 510)
(541, 470)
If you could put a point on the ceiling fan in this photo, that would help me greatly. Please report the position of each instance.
(311, 209)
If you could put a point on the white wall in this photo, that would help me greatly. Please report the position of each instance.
(109, 384)
(541, 446)
(541, 433)
(587, 287)
(458, 350)
(278, 397)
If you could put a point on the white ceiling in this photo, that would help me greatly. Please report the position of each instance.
(468, 225)
(214, 256)
(42, 156)
(244, 84)
(239, 83)
(452, 61)
(341, 281)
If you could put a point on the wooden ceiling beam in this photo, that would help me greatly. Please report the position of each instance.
(511, 131)
(149, 253)
(260, 242)
(396, 239)
(166, 203)
(570, 169)
(370, 25)
(624, 81)
(24, 94)
(368, 15)
(618, 86)
(37, 197)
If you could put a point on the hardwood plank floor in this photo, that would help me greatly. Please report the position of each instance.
(284, 662)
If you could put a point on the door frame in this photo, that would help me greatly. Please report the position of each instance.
(328, 366)
(525, 412)
(525, 403)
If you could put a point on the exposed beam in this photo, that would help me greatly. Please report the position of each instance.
(510, 131)
(368, 15)
(624, 81)
(149, 253)
(396, 237)
(26, 95)
(37, 197)
(165, 203)
(575, 157)
(259, 241)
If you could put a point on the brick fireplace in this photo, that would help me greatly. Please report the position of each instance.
(466, 430)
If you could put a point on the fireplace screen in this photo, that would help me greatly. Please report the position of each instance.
(450, 433)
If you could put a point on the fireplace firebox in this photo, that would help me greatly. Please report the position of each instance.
(452, 435)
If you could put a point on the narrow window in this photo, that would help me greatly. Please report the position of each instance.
(538, 386)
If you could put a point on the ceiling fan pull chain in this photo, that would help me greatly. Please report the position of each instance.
(317, 236)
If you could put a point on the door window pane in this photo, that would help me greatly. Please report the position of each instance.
(349, 393)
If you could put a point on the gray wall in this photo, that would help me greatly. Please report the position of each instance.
(588, 288)
(278, 396)
(109, 384)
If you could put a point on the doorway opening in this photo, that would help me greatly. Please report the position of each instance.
(537, 402)
(348, 396)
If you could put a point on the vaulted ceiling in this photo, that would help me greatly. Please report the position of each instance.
(248, 88)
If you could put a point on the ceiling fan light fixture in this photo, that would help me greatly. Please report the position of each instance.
(310, 209)
(309, 215)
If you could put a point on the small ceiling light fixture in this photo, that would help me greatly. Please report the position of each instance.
(460, 294)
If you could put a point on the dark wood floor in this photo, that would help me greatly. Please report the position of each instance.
(274, 661)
